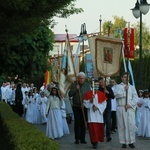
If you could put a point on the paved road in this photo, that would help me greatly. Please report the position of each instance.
(67, 142)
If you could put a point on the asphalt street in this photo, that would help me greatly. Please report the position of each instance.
(67, 142)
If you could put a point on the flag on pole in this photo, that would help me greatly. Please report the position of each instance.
(67, 72)
(89, 66)
(131, 72)
(54, 69)
(76, 58)
(47, 78)
(129, 43)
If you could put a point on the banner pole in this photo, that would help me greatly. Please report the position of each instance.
(128, 52)
(82, 107)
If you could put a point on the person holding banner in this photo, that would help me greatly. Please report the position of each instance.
(95, 102)
(126, 97)
(77, 92)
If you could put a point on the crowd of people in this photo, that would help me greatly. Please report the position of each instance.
(45, 106)
(101, 108)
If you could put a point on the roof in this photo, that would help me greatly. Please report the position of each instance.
(62, 38)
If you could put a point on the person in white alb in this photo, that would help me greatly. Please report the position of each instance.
(144, 124)
(126, 97)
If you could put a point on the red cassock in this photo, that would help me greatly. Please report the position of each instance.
(96, 129)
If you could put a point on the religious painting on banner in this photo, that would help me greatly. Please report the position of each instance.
(106, 54)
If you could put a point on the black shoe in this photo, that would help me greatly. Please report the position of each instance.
(131, 145)
(83, 142)
(77, 142)
(109, 139)
(124, 146)
(95, 146)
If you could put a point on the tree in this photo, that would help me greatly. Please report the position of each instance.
(29, 58)
(25, 37)
(19, 17)
(118, 24)
(145, 35)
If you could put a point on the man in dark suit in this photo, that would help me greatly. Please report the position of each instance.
(107, 114)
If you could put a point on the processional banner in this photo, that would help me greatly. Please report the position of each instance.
(106, 54)
(89, 66)
(67, 72)
(129, 43)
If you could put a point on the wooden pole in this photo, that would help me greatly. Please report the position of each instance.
(82, 107)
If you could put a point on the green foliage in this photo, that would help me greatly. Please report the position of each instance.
(118, 24)
(19, 17)
(136, 72)
(145, 35)
(20, 135)
(28, 58)
(145, 72)
(25, 37)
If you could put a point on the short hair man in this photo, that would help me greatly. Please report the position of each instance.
(77, 92)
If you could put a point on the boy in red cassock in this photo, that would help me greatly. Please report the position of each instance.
(95, 102)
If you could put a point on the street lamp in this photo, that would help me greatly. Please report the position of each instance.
(82, 36)
(138, 10)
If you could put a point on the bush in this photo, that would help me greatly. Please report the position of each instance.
(17, 134)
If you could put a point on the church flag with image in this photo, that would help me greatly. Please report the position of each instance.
(106, 54)
(67, 73)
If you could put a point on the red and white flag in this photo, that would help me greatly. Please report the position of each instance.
(129, 43)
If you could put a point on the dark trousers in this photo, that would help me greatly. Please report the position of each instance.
(79, 123)
(113, 121)
(107, 122)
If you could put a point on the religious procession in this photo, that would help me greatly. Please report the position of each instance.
(88, 99)
(93, 99)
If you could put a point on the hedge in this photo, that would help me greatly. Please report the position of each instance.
(17, 134)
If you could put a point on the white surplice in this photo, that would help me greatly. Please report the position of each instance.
(126, 119)
(95, 116)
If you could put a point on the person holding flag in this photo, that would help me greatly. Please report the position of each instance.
(77, 92)
(126, 97)
(95, 102)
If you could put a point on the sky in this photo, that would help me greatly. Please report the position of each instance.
(91, 15)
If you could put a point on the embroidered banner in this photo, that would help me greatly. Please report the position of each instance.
(67, 73)
(129, 43)
(106, 54)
